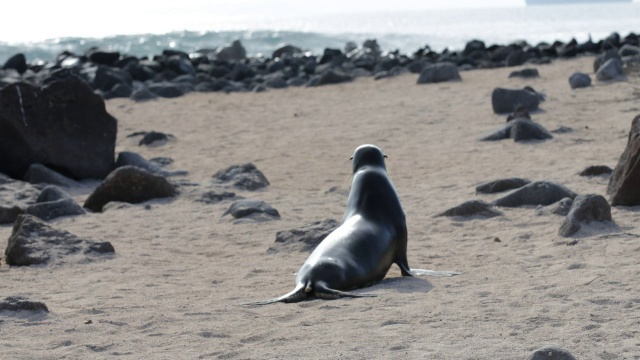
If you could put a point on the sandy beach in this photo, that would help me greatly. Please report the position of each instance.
(181, 271)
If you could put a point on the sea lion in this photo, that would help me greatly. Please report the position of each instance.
(372, 237)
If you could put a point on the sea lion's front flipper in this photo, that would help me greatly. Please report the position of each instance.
(323, 292)
(298, 294)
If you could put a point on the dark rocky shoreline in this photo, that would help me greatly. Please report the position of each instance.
(228, 69)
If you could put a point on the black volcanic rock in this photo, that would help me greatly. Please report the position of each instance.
(332, 77)
(18, 62)
(234, 52)
(108, 77)
(610, 70)
(471, 208)
(508, 100)
(128, 158)
(167, 89)
(623, 183)
(501, 185)
(252, 210)
(129, 184)
(52, 193)
(15, 197)
(519, 130)
(561, 208)
(516, 58)
(150, 137)
(215, 196)
(551, 353)
(286, 50)
(243, 176)
(596, 170)
(579, 80)
(19, 303)
(585, 209)
(53, 209)
(63, 125)
(440, 72)
(303, 239)
(40, 174)
(102, 57)
(33, 242)
(604, 57)
(525, 73)
(536, 193)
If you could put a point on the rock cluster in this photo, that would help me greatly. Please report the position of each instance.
(175, 73)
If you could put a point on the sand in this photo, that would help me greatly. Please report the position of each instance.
(175, 287)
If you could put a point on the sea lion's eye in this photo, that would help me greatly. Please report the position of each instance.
(351, 158)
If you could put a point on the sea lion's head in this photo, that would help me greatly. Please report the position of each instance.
(367, 155)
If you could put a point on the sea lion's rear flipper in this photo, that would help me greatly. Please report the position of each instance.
(423, 272)
(298, 294)
(323, 292)
(407, 271)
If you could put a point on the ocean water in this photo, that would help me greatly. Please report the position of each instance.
(405, 31)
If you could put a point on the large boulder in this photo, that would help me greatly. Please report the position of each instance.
(129, 184)
(33, 242)
(62, 125)
(508, 100)
(624, 183)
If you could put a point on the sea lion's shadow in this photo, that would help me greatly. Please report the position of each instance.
(404, 284)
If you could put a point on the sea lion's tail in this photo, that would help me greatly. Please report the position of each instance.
(297, 294)
(303, 291)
